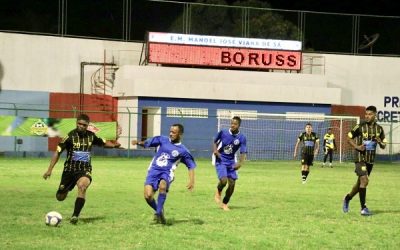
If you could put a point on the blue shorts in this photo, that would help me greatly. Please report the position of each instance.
(155, 176)
(226, 171)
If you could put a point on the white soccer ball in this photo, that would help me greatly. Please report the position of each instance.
(53, 218)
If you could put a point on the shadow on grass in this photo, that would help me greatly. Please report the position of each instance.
(91, 219)
(375, 212)
(234, 207)
(173, 221)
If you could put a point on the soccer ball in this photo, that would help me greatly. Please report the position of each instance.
(53, 218)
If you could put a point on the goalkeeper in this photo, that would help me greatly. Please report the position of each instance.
(329, 146)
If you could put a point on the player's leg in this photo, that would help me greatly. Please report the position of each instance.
(325, 156)
(349, 196)
(228, 193)
(162, 196)
(305, 169)
(330, 152)
(223, 180)
(369, 167)
(67, 183)
(149, 196)
(82, 184)
(150, 187)
(363, 194)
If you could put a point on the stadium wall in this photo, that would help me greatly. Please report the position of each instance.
(38, 107)
(200, 129)
(32, 65)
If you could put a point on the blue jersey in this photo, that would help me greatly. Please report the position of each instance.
(168, 154)
(228, 144)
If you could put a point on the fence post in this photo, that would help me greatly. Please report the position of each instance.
(129, 131)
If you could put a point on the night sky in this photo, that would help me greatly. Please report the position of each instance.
(368, 7)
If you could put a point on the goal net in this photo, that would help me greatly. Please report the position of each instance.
(273, 136)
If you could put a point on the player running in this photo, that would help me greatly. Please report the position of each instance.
(170, 151)
(226, 144)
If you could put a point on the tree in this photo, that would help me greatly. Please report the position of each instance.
(246, 18)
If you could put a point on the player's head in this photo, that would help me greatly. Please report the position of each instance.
(82, 122)
(235, 124)
(308, 128)
(329, 131)
(176, 132)
(370, 114)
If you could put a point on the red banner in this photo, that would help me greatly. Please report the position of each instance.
(224, 57)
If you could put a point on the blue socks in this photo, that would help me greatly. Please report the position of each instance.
(160, 202)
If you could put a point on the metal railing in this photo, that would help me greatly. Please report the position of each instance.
(130, 121)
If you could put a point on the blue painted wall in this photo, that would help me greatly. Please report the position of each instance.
(199, 132)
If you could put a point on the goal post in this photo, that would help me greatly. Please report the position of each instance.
(273, 136)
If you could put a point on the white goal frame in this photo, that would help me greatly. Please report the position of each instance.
(260, 127)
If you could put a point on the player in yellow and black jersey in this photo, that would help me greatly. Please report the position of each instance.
(77, 166)
(364, 138)
(329, 146)
(310, 148)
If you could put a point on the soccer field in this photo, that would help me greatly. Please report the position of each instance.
(270, 208)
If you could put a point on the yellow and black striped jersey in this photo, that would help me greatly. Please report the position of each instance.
(309, 141)
(79, 146)
(329, 141)
(366, 134)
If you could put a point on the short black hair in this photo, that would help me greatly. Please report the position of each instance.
(180, 126)
(308, 124)
(371, 108)
(237, 118)
(83, 117)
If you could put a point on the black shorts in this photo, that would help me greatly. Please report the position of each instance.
(307, 159)
(363, 168)
(69, 179)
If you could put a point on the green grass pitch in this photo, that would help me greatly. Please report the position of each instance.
(270, 208)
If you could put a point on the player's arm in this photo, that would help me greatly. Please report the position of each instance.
(150, 142)
(136, 142)
(112, 144)
(215, 150)
(105, 143)
(381, 142)
(241, 161)
(295, 148)
(54, 159)
(190, 185)
(53, 162)
(350, 140)
(188, 160)
(316, 147)
(215, 143)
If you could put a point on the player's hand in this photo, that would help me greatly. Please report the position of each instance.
(217, 153)
(47, 175)
(190, 186)
(237, 166)
(360, 147)
(134, 142)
